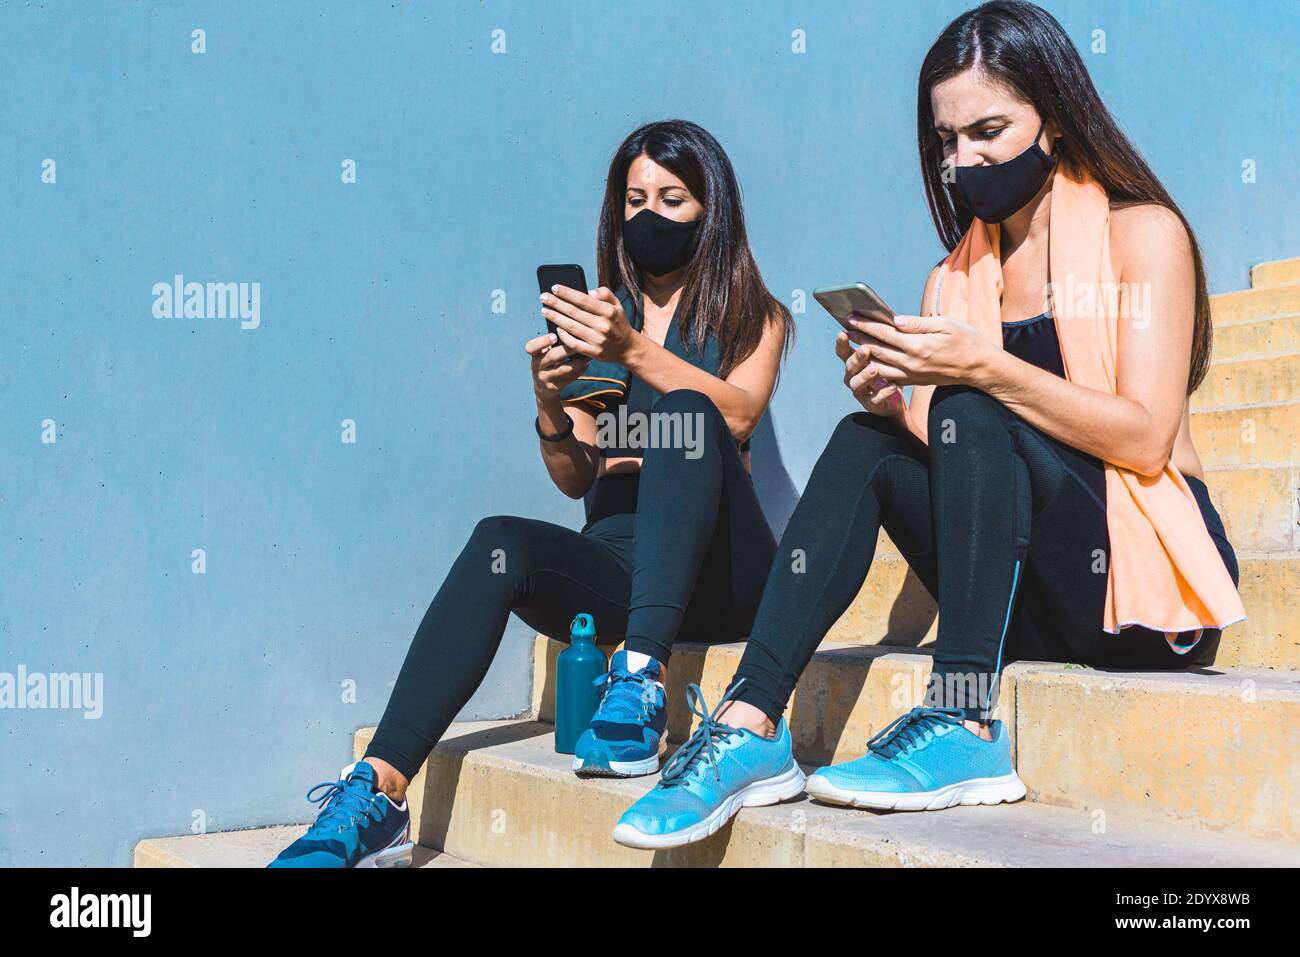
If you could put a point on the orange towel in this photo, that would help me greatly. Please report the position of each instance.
(1164, 571)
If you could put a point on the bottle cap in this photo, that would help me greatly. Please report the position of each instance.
(584, 626)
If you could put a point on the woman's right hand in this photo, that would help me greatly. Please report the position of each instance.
(875, 393)
(551, 371)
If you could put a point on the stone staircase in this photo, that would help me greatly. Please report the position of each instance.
(1193, 768)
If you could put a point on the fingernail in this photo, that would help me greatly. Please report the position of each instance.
(900, 321)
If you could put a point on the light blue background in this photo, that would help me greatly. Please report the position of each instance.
(223, 691)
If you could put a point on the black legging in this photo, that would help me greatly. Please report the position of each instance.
(1004, 525)
(702, 552)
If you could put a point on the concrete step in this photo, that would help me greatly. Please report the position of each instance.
(1256, 337)
(1216, 748)
(891, 608)
(1279, 272)
(254, 847)
(1264, 303)
(1258, 505)
(1270, 635)
(1249, 381)
(1248, 434)
(497, 794)
(894, 609)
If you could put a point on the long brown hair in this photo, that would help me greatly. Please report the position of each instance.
(1023, 46)
(723, 294)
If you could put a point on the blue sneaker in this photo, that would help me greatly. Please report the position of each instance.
(357, 826)
(626, 734)
(719, 770)
(923, 761)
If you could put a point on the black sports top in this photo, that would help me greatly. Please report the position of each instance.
(1034, 340)
(607, 385)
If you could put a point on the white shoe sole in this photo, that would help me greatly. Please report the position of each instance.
(1007, 788)
(772, 790)
(618, 769)
(622, 769)
(395, 855)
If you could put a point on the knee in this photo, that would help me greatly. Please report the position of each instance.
(864, 427)
(958, 413)
(688, 401)
(505, 532)
(686, 418)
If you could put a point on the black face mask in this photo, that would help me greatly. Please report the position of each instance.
(993, 193)
(658, 245)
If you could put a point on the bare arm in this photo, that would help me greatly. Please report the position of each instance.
(1135, 428)
(741, 397)
(572, 462)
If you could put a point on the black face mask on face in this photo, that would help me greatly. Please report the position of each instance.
(993, 193)
(658, 245)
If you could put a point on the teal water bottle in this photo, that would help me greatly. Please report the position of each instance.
(576, 691)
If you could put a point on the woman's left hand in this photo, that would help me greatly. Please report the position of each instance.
(590, 324)
(925, 350)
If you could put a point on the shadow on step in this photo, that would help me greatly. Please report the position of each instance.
(910, 616)
(441, 787)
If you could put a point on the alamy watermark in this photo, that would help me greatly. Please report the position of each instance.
(651, 430)
(179, 299)
(133, 912)
(57, 690)
(1083, 300)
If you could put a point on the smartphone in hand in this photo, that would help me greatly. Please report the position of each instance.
(568, 275)
(855, 299)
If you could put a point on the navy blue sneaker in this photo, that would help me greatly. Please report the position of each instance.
(626, 736)
(357, 826)
(925, 760)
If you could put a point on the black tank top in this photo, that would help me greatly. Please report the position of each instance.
(1034, 340)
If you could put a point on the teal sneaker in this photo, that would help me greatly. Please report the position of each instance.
(925, 760)
(626, 735)
(719, 770)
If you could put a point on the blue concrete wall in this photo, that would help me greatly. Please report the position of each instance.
(224, 692)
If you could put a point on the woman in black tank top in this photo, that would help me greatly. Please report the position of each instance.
(645, 421)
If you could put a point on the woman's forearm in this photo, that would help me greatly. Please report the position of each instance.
(663, 371)
(1113, 428)
(571, 463)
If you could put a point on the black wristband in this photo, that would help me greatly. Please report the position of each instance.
(537, 424)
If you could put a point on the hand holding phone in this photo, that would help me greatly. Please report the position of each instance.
(567, 274)
(856, 299)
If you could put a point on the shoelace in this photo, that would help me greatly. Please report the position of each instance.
(700, 746)
(907, 730)
(338, 802)
(631, 689)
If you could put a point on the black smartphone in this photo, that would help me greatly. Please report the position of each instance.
(567, 274)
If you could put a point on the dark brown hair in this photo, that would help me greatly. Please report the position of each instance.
(1023, 46)
(723, 294)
